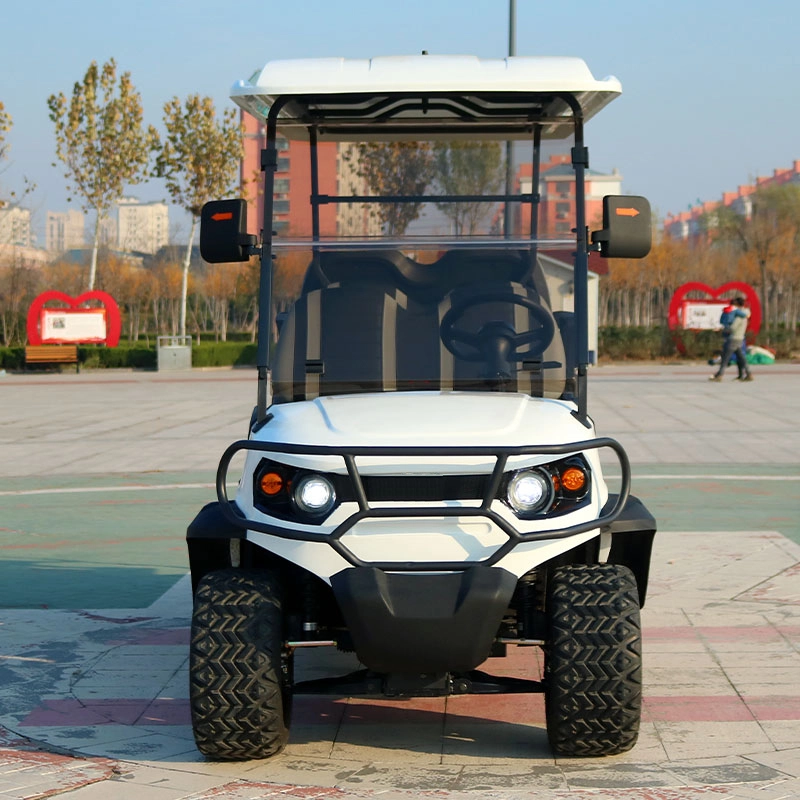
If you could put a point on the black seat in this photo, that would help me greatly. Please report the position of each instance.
(337, 340)
(371, 321)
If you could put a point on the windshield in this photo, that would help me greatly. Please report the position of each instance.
(419, 272)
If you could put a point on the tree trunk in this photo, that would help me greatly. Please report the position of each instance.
(95, 247)
(187, 260)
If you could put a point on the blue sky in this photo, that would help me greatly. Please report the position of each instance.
(710, 87)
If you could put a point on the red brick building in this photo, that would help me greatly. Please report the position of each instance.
(688, 224)
(292, 210)
(557, 189)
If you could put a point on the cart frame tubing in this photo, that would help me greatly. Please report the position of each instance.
(365, 511)
(269, 164)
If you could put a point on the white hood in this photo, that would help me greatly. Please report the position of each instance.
(445, 419)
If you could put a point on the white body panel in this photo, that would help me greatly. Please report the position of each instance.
(427, 419)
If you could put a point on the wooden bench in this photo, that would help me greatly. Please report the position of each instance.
(52, 354)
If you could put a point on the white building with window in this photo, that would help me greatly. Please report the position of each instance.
(15, 227)
(142, 227)
(65, 231)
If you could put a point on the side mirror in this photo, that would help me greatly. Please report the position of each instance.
(223, 232)
(626, 227)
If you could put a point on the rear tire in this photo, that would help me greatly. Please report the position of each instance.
(239, 677)
(593, 660)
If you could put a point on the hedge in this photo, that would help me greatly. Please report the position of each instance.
(138, 356)
(615, 344)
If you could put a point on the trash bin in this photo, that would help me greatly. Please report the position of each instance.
(174, 353)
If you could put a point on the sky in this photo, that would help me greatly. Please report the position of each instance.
(710, 88)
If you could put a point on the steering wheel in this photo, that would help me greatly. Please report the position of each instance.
(496, 341)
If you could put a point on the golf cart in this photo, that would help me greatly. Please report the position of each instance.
(421, 484)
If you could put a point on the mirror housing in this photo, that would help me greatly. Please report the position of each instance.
(626, 230)
(223, 232)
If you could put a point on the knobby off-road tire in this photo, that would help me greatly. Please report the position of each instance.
(593, 660)
(239, 686)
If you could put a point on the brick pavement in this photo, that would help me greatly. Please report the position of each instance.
(94, 700)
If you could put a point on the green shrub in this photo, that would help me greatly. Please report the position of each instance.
(223, 354)
(125, 356)
(12, 358)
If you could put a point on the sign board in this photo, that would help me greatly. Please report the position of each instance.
(61, 325)
(701, 315)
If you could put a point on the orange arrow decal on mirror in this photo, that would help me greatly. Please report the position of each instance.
(626, 212)
(220, 215)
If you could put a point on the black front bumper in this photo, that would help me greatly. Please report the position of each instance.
(423, 623)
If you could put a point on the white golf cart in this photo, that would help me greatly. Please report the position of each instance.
(421, 484)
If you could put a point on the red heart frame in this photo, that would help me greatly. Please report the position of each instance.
(113, 320)
(754, 324)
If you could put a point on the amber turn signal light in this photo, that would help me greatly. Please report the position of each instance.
(573, 479)
(271, 484)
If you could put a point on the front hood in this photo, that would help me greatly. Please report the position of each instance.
(446, 419)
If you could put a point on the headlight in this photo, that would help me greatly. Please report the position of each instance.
(530, 492)
(314, 495)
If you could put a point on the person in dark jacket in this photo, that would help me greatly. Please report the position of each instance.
(734, 326)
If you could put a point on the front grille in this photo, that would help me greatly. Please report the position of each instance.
(416, 488)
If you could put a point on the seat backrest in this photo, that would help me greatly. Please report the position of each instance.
(337, 340)
(377, 326)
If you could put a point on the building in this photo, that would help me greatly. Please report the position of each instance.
(142, 227)
(291, 210)
(65, 231)
(557, 196)
(689, 224)
(15, 226)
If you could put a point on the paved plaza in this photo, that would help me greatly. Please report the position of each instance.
(100, 473)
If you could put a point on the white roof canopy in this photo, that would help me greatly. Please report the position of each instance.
(425, 96)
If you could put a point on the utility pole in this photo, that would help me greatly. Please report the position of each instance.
(512, 51)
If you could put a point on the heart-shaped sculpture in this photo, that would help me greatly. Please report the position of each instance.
(737, 287)
(113, 321)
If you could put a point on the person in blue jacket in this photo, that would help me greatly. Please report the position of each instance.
(734, 321)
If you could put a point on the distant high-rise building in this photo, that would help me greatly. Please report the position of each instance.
(142, 227)
(65, 231)
(15, 226)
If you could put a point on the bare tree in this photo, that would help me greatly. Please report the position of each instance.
(394, 169)
(6, 123)
(769, 231)
(467, 168)
(199, 161)
(5, 127)
(101, 139)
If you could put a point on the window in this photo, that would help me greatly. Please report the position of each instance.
(281, 186)
(283, 165)
(280, 207)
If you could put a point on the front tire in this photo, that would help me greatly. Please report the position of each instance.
(239, 676)
(593, 660)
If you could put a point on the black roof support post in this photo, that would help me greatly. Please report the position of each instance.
(580, 163)
(269, 165)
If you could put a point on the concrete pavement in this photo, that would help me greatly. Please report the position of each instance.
(93, 698)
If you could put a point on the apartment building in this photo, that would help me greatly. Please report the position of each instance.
(689, 224)
(15, 226)
(65, 231)
(142, 227)
(557, 196)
